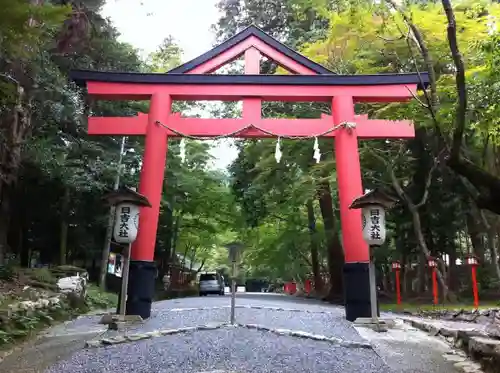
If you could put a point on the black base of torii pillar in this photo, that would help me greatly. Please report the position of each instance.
(141, 288)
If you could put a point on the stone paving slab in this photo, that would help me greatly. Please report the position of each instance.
(472, 338)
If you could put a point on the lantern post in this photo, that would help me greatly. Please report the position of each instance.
(234, 253)
(473, 261)
(127, 204)
(396, 267)
(373, 204)
(432, 263)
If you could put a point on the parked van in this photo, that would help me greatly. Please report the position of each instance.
(211, 283)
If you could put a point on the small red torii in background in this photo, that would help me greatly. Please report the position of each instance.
(308, 81)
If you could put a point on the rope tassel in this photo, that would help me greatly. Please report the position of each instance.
(277, 153)
(317, 152)
(182, 150)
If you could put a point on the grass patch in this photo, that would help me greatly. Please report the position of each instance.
(97, 299)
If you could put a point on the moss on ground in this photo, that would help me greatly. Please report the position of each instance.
(19, 285)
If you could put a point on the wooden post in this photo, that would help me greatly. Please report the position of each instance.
(474, 286)
(435, 286)
(398, 286)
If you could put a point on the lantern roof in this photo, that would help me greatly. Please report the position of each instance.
(376, 196)
(234, 249)
(126, 194)
(233, 245)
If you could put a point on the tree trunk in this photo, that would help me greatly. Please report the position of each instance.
(422, 278)
(335, 251)
(495, 257)
(476, 236)
(4, 223)
(404, 275)
(167, 250)
(492, 242)
(103, 270)
(16, 227)
(175, 235)
(63, 238)
(452, 269)
(417, 227)
(318, 281)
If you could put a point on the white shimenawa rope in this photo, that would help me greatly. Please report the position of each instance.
(317, 155)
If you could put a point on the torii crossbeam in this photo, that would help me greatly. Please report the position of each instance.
(195, 80)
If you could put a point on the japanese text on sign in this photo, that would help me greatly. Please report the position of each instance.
(126, 223)
(124, 219)
(375, 224)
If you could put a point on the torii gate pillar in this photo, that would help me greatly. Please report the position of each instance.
(142, 277)
(356, 251)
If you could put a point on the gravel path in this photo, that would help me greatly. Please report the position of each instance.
(229, 350)
(237, 349)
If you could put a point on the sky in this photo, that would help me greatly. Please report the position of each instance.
(145, 23)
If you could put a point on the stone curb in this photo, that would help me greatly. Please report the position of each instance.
(247, 307)
(161, 333)
(477, 345)
(140, 336)
(307, 335)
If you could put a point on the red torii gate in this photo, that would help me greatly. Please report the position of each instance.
(308, 81)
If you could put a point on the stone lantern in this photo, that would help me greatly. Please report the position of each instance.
(373, 205)
(126, 226)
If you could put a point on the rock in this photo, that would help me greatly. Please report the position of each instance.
(26, 305)
(468, 367)
(420, 324)
(485, 319)
(434, 330)
(113, 341)
(468, 317)
(129, 319)
(459, 343)
(484, 346)
(116, 325)
(91, 344)
(448, 332)
(54, 301)
(72, 284)
(493, 330)
(467, 334)
(136, 337)
(454, 358)
(210, 326)
(108, 319)
(450, 340)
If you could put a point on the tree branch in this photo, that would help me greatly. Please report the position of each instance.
(461, 109)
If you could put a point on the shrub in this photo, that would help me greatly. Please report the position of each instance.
(7, 273)
(41, 275)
